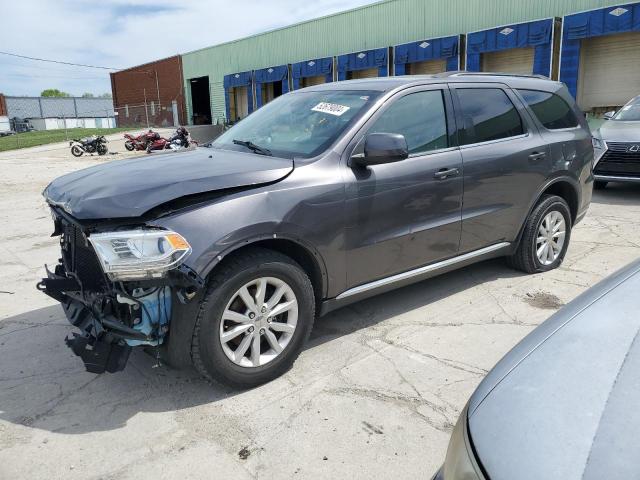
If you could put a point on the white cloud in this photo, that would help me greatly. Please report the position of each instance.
(124, 33)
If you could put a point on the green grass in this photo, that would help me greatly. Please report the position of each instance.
(33, 139)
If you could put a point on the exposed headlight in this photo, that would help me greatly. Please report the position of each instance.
(599, 147)
(139, 254)
(460, 463)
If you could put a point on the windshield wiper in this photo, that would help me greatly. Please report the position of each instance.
(253, 147)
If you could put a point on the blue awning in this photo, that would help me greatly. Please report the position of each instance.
(279, 74)
(312, 68)
(536, 34)
(425, 50)
(241, 79)
(594, 23)
(350, 62)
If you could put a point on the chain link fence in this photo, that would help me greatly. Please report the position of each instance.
(151, 114)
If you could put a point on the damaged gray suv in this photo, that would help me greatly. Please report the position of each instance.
(224, 256)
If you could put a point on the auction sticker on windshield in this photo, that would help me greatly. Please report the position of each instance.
(330, 108)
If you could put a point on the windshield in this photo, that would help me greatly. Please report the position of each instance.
(630, 112)
(300, 124)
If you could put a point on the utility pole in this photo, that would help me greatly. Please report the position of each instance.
(146, 113)
(157, 87)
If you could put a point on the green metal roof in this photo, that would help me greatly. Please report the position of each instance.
(381, 24)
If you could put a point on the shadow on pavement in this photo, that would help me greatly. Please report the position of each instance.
(44, 386)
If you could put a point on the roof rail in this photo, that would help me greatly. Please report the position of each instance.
(462, 73)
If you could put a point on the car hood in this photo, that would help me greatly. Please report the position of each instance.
(620, 131)
(130, 188)
(564, 402)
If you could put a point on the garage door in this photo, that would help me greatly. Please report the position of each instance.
(609, 70)
(310, 81)
(515, 60)
(427, 68)
(365, 73)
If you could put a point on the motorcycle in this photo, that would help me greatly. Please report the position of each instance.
(180, 140)
(139, 142)
(89, 145)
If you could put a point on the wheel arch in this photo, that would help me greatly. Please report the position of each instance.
(304, 254)
(564, 187)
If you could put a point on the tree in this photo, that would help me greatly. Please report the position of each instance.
(54, 92)
(87, 95)
(106, 95)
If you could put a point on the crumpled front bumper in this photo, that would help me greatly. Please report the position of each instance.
(101, 341)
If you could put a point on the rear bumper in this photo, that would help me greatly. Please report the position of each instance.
(611, 178)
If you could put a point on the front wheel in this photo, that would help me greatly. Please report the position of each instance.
(129, 146)
(76, 151)
(254, 319)
(102, 149)
(545, 238)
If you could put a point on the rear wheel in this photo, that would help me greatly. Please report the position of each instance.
(600, 185)
(255, 317)
(76, 151)
(545, 238)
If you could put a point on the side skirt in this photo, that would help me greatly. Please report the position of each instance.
(392, 282)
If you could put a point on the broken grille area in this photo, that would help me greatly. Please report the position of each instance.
(80, 259)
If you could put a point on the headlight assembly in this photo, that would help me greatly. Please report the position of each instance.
(599, 147)
(139, 254)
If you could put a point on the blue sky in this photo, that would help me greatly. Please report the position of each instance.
(123, 33)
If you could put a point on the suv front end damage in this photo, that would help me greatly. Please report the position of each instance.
(117, 284)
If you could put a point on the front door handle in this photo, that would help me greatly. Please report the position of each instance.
(535, 156)
(446, 173)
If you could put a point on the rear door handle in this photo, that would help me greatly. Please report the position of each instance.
(535, 156)
(446, 173)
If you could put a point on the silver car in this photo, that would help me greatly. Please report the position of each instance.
(617, 146)
(563, 404)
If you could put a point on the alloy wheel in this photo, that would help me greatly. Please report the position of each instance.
(258, 322)
(550, 239)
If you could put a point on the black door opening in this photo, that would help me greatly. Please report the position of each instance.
(271, 91)
(200, 101)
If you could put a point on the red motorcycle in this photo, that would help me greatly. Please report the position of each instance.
(180, 140)
(141, 141)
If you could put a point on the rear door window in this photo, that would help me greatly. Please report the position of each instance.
(420, 117)
(488, 115)
(552, 111)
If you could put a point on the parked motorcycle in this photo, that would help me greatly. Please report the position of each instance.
(141, 141)
(178, 141)
(89, 145)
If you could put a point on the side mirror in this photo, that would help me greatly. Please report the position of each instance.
(609, 115)
(382, 148)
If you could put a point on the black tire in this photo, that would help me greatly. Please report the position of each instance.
(129, 146)
(102, 150)
(599, 185)
(207, 353)
(525, 258)
(76, 151)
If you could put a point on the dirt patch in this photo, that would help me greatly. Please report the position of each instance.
(244, 453)
(547, 301)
